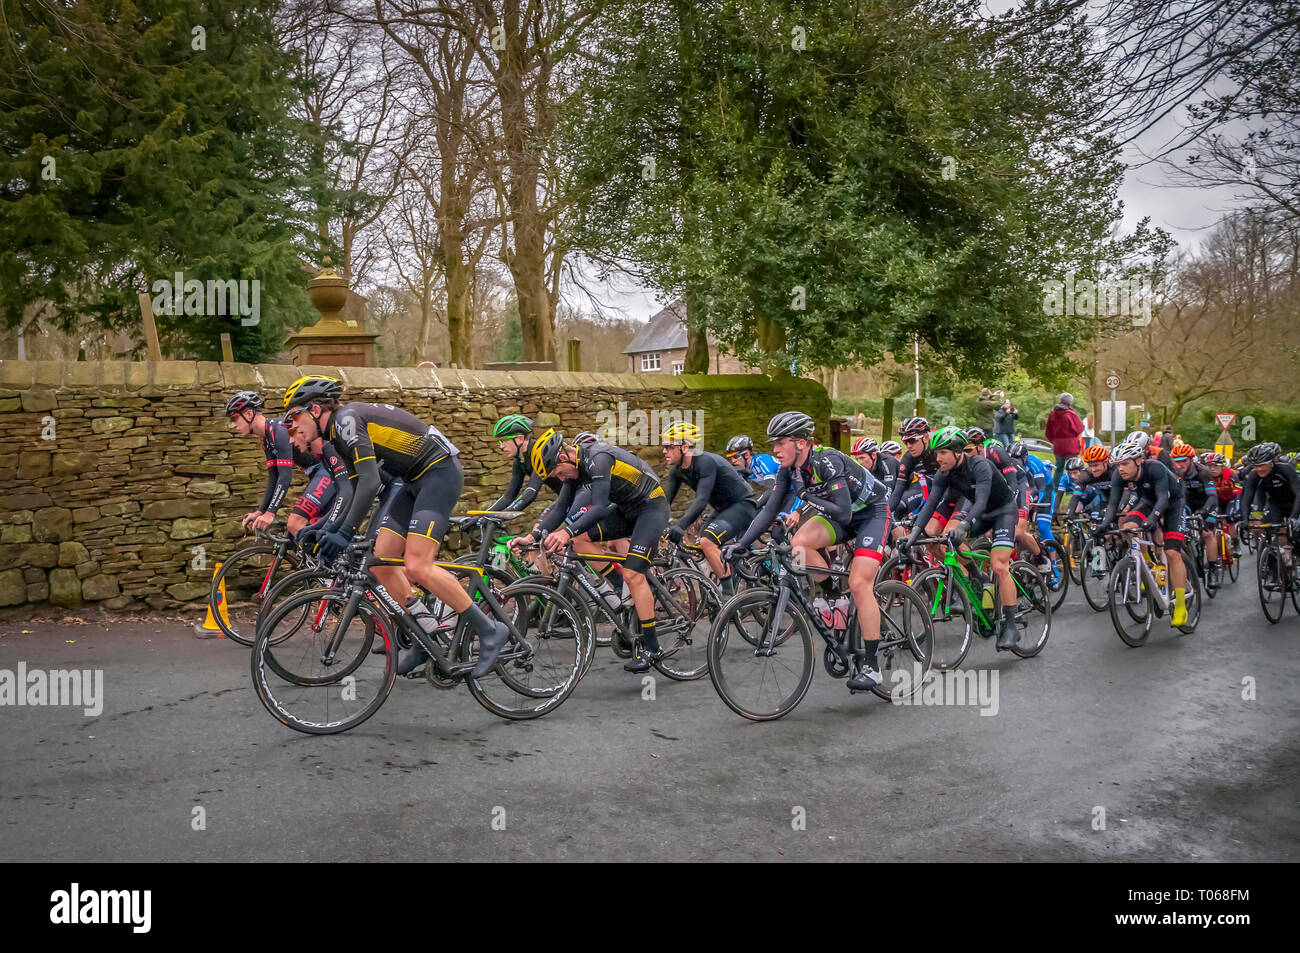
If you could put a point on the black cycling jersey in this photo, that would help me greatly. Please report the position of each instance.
(926, 465)
(973, 478)
(885, 470)
(715, 481)
(281, 457)
(1281, 488)
(1101, 484)
(1197, 488)
(512, 498)
(831, 482)
(619, 480)
(1155, 484)
(372, 434)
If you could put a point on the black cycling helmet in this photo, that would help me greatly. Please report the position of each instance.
(976, 435)
(1018, 451)
(242, 401)
(305, 390)
(512, 425)
(1265, 452)
(1075, 463)
(738, 444)
(790, 423)
(913, 427)
(949, 438)
(545, 452)
(586, 439)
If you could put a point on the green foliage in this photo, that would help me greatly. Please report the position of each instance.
(827, 169)
(511, 346)
(1272, 422)
(128, 155)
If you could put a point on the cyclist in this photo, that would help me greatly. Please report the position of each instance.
(1274, 488)
(992, 506)
(244, 410)
(716, 483)
(893, 448)
(1097, 479)
(881, 465)
(1158, 505)
(758, 468)
(1151, 447)
(1014, 472)
(1082, 488)
(513, 432)
(625, 500)
(1197, 484)
(416, 514)
(850, 507)
(329, 489)
(1227, 492)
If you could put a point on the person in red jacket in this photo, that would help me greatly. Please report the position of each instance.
(1064, 432)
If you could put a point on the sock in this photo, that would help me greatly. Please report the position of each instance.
(481, 623)
(1180, 597)
(1009, 614)
(870, 645)
(648, 636)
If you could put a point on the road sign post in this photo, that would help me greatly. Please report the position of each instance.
(1224, 443)
(1112, 381)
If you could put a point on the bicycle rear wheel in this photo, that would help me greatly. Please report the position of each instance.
(247, 576)
(905, 653)
(1230, 555)
(317, 692)
(684, 623)
(765, 676)
(952, 621)
(1057, 575)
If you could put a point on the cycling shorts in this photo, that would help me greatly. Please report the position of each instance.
(1002, 523)
(1173, 521)
(423, 507)
(315, 501)
(730, 521)
(643, 527)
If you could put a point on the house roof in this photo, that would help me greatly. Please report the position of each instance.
(665, 331)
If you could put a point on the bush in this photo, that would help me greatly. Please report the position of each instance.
(1272, 422)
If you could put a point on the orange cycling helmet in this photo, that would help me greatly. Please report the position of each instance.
(1182, 451)
(1097, 453)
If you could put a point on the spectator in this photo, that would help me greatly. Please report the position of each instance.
(986, 406)
(1089, 432)
(1065, 432)
(1004, 423)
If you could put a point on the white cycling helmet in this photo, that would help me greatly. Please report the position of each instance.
(1139, 437)
(1129, 451)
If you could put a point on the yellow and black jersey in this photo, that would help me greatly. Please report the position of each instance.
(618, 480)
(403, 443)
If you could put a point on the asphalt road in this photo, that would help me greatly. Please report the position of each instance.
(1159, 737)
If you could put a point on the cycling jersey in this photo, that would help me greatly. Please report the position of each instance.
(619, 480)
(328, 487)
(973, 478)
(715, 481)
(925, 465)
(828, 481)
(1040, 473)
(1281, 488)
(1155, 489)
(512, 498)
(761, 470)
(885, 470)
(1196, 484)
(281, 457)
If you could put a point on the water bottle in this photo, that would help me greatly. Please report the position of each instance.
(1098, 559)
(841, 613)
(986, 599)
(823, 610)
(607, 593)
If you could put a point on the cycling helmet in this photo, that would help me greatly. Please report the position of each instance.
(1139, 437)
(586, 439)
(680, 432)
(1018, 451)
(1130, 451)
(1212, 459)
(975, 435)
(949, 438)
(913, 427)
(865, 445)
(1182, 451)
(1263, 453)
(1075, 463)
(790, 423)
(1097, 453)
(512, 425)
(307, 389)
(738, 444)
(244, 400)
(891, 446)
(545, 452)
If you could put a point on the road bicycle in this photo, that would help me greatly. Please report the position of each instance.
(1275, 571)
(1139, 590)
(322, 677)
(962, 607)
(761, 654)
(246, 576)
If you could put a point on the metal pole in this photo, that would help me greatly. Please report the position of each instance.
(1112, 417)
(916, 367)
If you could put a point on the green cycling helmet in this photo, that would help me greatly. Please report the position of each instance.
(949, 438)
(512, 425)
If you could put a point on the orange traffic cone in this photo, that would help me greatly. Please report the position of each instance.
(209, 629)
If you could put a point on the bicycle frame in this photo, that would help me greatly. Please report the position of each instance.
(1144, 568)
(568, 574)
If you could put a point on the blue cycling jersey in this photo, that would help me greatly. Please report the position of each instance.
(763, 465)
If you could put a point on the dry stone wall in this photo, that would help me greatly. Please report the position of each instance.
(121, 483)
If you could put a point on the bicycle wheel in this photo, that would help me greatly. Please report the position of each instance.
(683, 624)
(293, 664)
(247, 575)
(905, 653)
(1094, 572)
(1057, 575)
(288, 584)
(1272, 583)
(1074, 546)
(764, 679)
(1132, 607)
(1230, 554)
(1033, 609)
(952, 621)
(345, 688)
(538, 670)
(590, 638)
(1193, 599)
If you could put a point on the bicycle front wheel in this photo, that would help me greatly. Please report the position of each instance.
(246, 576)
(324, 679)
(1057, 574)
(1093, 573)
(952, 621)
(1132, 606)
(766, 675)
(1271, 577)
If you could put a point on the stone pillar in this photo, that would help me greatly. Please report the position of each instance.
(331, 341)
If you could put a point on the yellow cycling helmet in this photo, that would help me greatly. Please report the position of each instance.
(545, 453)
(312, 388)
(682, 432)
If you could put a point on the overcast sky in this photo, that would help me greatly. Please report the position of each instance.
(1186, 212)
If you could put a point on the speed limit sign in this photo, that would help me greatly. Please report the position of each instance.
(1112, 381)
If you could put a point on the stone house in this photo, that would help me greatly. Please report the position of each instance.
(660, 347)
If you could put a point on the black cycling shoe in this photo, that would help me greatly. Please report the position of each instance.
(489, 647)
(1009, 636)
(866, 679)
(642, 658)
(408, 660)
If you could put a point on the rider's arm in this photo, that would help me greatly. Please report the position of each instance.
(1112, 504)
(556, 512)
(901, 481)
(279, 470)
(1163, 494)
(837, 505)
(366, 481)
(506, 501)
(703, 491)
(333, 462)
(578, 523)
